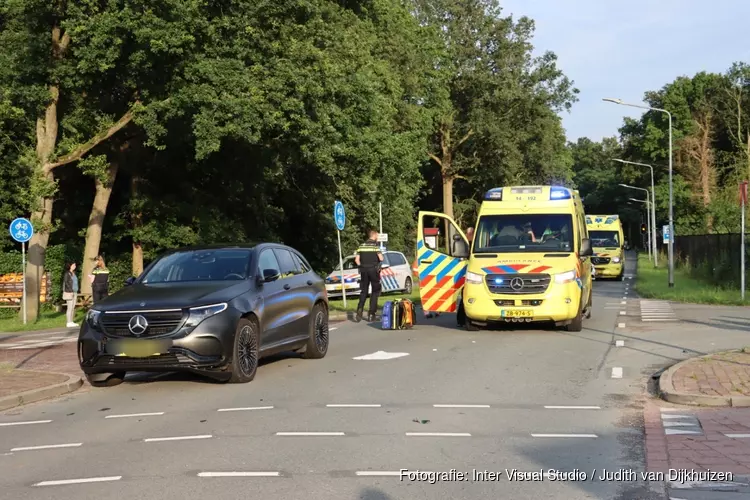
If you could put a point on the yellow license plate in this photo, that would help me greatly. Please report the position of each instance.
(516, 313)
(138, 348)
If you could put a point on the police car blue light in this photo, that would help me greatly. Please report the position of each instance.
(559, 193)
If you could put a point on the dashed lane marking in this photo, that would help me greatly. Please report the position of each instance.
(381, 355)
(7, 424)
(178, 438)
(461, 406)
(438, 434)
(333, 328)
(240, 474)
(378, 473)
(620, 325)
(353, 406)
(737, 436)
(250, 408)
(47, 447)
(622, 313)
(573, 407)
(619, 343)
(311, 434)
(616, 372)
(79, 481)
(136, 415)
(564, 435)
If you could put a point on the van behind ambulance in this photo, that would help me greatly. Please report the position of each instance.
(607, 237)
(529, 260)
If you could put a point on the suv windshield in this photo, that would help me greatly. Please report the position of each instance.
(604, 238)
(349, 264)
(200, 265)
(524, 233)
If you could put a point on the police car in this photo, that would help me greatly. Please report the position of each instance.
(395, 276)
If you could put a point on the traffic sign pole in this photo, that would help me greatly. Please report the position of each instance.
(22, 230)
(743, 202)
(339, 217)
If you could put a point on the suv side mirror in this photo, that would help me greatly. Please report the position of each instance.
(130, 281)
(586, 249)
(270, 275)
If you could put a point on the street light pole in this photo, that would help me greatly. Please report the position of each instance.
(670, 247)
(648, 220)
(653, 207)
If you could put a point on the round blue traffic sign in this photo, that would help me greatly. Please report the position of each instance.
(338, 215)
(21, 230)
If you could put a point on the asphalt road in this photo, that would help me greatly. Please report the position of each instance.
(525, 399)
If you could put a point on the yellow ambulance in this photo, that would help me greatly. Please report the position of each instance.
(607, 239)
(529, 260)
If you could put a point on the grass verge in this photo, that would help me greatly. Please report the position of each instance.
(47, 319)
(351, 302)
(653, 283)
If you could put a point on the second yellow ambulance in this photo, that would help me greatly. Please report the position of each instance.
(607, 237)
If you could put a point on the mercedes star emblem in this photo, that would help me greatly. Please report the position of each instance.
(137, 324)
(516, 284)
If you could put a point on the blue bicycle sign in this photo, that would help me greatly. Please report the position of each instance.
(339, 216)
(21, 230)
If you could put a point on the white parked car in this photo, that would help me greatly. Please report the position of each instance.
(395, 276)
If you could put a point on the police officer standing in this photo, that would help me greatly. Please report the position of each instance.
(99, 281)
(369, 259)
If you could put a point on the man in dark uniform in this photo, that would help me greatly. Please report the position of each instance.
(369, 259)
(100, 281)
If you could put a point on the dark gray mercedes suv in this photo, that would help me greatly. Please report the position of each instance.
(210, 310)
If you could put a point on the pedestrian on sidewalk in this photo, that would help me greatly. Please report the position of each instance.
(70, 292)
(99, 281)
(369, 259)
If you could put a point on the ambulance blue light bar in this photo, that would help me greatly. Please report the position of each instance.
(495, 194)
(559, 193)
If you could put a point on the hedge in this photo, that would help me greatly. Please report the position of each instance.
(56, 256)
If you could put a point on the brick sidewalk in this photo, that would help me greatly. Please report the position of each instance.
(18, 381)
(61, 358)
(721, 374)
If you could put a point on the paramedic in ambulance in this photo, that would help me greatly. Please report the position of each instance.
(369, 260)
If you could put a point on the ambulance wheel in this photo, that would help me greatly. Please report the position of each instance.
(589, 306)
(577, 324)
(470, 326)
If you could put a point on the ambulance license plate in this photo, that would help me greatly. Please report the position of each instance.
(517, 313)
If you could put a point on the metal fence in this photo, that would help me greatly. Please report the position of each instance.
(715, 256)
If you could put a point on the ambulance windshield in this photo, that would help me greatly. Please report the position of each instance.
(604, 238)
(524, 233)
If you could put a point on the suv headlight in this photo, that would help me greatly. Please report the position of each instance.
(92, 316)
(616, 260)
(565, 277)
(198, 314)
(473, 278)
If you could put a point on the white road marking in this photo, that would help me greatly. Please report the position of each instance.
(250, 408)
(178, 438)
(670, 432)
(620, 325)
(573, 407)
(564, 435)
(79, 481)
(239, 474)
(334, 328)
(353, 406)
(378, 473)
(461, 406)
(737, 435)
(47, 447)
(622, 313)
(382, 355)
(665, 417)
(6, 424)
(439, 434)
(693, 423)
(619, 343)
(311, 434)
(616, 372)
(624, 302)
(136, 415)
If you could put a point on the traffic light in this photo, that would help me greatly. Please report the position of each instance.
(643, 228)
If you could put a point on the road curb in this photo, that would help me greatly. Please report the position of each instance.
(668, 393)
(34, 395)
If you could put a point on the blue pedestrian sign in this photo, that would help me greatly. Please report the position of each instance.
(338, 215)
(21, 230)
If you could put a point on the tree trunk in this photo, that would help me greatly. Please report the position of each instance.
(96, 221)
(41, 215)
(136, 222)
(448, 195)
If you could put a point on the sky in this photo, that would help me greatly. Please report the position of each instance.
(623, 49)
